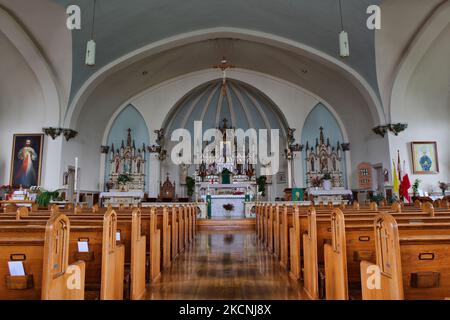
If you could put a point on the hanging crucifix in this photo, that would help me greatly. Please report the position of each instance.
(224, 66)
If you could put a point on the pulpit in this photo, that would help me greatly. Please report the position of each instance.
(167, 191)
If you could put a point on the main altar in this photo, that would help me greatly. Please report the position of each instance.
(226, 180)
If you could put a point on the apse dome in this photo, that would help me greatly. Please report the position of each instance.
(242, 105)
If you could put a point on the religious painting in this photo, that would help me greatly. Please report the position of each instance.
(281, 177)
(425, 157)
(26, 160)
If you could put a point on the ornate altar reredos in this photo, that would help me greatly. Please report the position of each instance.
(324, 158)
(167, 190)
(128, 160)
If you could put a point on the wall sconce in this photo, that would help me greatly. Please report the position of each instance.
(296, 147)
(104, 149)
(52, 132)
(345, 146)
(380, 130)
(69, 134)
(396, 128)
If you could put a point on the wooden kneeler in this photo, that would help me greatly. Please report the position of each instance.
(113, 260)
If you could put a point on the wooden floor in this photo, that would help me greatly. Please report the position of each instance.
(227, 265)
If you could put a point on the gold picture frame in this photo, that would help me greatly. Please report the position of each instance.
(424, 157)
(26, 160)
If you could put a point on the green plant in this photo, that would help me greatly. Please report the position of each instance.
(190, 185)
(44, 197)
(377, 198)
(261, 182)
(327, 176)
(124, 179)
(416, 185)
(394, 198)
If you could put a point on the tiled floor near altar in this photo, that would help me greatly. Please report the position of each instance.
(225, 265)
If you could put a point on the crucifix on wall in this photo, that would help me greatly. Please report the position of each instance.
(224, 66)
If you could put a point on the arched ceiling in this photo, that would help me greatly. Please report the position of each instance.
(242, 105)
(125, 26)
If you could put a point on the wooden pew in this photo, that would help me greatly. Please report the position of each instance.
(311, 271)
(412, 266)
(335, 259)
(44, 252)
(138, 258)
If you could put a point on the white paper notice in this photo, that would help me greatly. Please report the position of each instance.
(118, 236)
(16, 268)
(83, 246)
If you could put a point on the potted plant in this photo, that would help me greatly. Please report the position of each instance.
(415, 187)
(122, 180)
(327, 181)
(261, 182)
(4, 190)
(229, 207)
(378, 198)
(444, 187)
(44, 197)
(190, 185)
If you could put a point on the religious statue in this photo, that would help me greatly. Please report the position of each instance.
(183, 172)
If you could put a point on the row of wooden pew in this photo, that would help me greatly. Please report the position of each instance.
(103, 253)
(396, 252)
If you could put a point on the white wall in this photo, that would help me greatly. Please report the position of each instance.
(23, 110)
(426, 109)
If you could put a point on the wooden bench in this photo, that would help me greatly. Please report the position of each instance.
(43, 251)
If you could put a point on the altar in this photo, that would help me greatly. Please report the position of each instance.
(116, 198)
(236, 202)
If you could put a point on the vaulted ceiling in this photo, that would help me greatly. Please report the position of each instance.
(124, 26)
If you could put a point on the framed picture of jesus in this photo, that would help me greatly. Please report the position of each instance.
(26, 160)
(424, 157)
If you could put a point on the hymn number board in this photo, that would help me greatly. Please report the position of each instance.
(365, 175)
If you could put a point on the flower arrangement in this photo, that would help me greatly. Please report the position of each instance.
(415, 186)
(444, 187)
(316, 182)
(124, 179)
(228, 207)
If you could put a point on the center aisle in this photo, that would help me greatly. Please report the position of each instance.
(225, 265)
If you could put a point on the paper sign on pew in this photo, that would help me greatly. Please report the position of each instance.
(83, 246)
(16, 268)
(118, 235)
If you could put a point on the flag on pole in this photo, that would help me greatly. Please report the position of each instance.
(395, 180)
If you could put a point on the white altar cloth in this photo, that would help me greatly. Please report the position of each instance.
(118, 194)
(332, 192)
(218, 201)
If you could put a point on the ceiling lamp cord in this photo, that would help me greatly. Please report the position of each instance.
(91, 45)
(344, 48)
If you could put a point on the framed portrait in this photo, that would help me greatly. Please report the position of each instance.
(26, 160)
(424, 157)
(281, 177)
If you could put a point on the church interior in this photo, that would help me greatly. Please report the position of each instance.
(224, 150)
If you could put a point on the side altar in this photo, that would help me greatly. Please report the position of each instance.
(126, 183)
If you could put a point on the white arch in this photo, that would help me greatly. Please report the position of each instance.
(224, 32)
(12, 29)
(428, 33)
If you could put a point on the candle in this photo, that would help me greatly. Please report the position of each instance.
(75, 187)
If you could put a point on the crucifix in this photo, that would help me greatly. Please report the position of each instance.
(224, 66)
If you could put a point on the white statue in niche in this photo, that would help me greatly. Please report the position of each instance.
(184, 168)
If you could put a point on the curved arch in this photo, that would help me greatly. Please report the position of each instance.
(280, 117)
(354, 77)
(430, 30)
(13, 30)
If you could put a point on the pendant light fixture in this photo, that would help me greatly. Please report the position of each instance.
(91, 45)
(344, 48)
